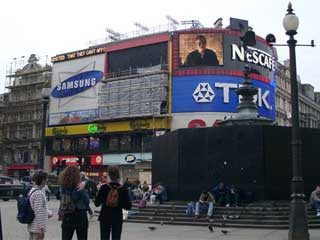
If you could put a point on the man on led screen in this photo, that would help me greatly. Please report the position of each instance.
(202, 56)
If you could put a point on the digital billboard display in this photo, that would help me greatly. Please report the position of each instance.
(217, 93)
(200, 49)
(137, 57)
(213, 51)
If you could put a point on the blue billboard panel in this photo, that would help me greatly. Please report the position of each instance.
(216, 93)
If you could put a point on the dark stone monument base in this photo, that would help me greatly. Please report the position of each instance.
(257, 159)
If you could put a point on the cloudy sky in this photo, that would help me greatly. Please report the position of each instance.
(48, 28)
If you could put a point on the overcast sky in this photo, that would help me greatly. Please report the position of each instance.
(49, 28)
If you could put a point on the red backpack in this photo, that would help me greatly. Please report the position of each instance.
(113, 196)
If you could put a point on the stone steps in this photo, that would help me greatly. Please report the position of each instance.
(251, 216)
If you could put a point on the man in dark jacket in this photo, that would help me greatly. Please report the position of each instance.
(111, 218)
(202, 56)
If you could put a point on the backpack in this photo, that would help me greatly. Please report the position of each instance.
(25, 212)
(66, 205)
(190, 208)
(113, 196)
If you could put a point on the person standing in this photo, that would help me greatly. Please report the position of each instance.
(39, 205)
(74, 204)
(111, 217)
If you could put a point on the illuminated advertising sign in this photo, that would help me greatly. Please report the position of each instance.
(95, 159)
(219, 51)
(77, 84)
(74, 90)
(216, 93)
(203, 49)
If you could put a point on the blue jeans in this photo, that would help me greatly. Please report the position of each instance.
(206, 204)
(316, 206)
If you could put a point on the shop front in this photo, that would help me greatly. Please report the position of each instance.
(133, 166)
(91, 164)
(20, 170)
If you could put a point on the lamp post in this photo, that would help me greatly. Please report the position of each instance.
(298, 225)
(45, 101)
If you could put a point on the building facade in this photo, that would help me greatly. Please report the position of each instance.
(109, 102)
(21, 115)
(309, 105)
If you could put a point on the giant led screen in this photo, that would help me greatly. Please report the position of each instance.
(208, 68)
(200, 50)
(137, 57)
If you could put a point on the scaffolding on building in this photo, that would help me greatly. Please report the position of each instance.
(144, 92)
(24, 70)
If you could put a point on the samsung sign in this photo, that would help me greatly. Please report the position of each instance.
(77, 84)
(217, 93)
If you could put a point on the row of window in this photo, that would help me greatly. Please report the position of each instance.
(119, 143)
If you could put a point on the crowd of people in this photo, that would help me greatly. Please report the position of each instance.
(74, 198)
(113, 198)
(75, 204)
(219, 195)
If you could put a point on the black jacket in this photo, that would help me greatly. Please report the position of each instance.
(112, 214)
(209, 59)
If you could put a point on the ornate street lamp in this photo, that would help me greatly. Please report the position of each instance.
(298, 224)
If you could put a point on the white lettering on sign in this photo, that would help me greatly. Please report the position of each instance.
(253, 55)
(261, 98)
(226, 87)
(76, 84)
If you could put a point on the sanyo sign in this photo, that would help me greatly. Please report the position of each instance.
(252, 55)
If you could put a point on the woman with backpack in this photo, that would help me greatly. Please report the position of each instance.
(113, 197)
(38, 202)
(74, 204)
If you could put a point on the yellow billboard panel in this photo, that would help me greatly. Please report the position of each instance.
(109, 127)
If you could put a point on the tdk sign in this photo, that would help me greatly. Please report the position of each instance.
(77, 84)
(204, 93)
(217, 93)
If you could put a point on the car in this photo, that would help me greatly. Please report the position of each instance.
(11, 188)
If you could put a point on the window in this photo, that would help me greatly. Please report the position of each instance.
(114, 144)
(66, 144)
(83, 144)
(94, 143)
(125, 143)
(56, 145)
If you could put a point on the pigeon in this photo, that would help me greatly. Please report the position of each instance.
(224, 231)
(210, 228)
(151, 228)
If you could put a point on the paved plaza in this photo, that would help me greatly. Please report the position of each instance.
(134, 231)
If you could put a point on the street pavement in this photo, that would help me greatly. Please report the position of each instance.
(134, 231)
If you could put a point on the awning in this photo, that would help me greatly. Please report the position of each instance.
(22, 166)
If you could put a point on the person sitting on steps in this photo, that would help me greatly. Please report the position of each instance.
(206, 199)
(315, 200)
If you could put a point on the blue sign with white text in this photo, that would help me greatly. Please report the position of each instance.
(217, 93)
(77, 84)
